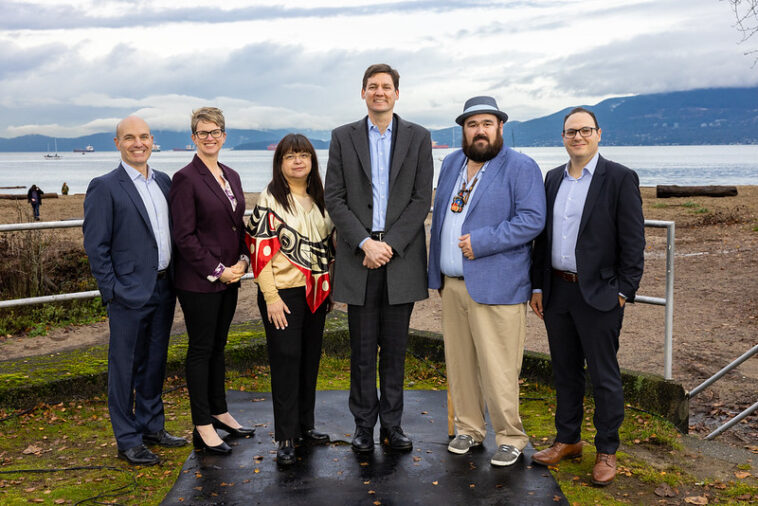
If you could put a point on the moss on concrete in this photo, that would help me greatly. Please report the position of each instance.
(75, 373)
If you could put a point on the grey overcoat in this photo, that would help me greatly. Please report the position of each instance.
(349, 201)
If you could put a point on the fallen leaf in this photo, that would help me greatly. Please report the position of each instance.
(696, 499)
(435, 482)
(665, 490)
(741, 474)
(32, 449)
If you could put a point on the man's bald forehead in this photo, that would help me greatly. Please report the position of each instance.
(130, 120)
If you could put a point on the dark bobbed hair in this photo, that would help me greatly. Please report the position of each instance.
(279, 188)
(381, 68)
(580, 109)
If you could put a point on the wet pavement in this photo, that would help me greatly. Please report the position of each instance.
(334, 475)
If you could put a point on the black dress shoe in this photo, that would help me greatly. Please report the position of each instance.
(363, 440)
(285, 455)
(314, 437)
(197, 441)
(139, 456)
(163, 438)
(395, 439)
(238, 432)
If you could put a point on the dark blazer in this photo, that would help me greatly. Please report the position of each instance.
(611, 241)
(349, 200)
(206, 231)
(119, 239)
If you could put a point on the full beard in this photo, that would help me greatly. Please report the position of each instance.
(486, 153)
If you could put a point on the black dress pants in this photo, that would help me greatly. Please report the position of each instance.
(576, 331)
(294, 354)
(208, 317)
(377, 324)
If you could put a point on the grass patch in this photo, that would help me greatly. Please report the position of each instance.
(38, 319)
(77, 433)
(701, 210)
(690, 203)
(659, 205)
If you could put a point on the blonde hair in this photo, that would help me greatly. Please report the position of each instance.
(209, 114)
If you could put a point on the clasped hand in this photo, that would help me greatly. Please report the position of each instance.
(234, 273)
(377, 253)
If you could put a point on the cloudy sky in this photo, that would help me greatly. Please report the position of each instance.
(70, 68)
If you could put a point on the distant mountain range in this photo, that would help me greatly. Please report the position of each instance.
(705, 116)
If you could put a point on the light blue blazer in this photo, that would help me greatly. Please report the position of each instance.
(506, 212)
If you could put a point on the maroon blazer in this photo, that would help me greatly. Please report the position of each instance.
(205, 229)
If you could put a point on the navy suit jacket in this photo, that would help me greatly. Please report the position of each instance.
(206, 230)
(505, 213)
(610, 244)
(119, 239)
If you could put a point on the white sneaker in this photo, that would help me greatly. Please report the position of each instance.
(462, 444)
(505, 455)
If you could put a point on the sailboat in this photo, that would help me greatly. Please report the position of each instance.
(50, 156)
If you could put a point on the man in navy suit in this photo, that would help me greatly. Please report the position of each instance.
(489, 206)
(127, 238)
(587, 264)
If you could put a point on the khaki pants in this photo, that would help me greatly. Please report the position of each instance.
(484, 347)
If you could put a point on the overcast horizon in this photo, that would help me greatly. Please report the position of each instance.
(70, 69)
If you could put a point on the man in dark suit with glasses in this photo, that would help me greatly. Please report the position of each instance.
(587, 264)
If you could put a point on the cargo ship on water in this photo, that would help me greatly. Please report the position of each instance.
(435, 145)
(88, 149)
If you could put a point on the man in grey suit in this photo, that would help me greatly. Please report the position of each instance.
(127, 238)
(378, 192)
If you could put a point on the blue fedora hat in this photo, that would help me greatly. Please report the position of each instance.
(480, 105)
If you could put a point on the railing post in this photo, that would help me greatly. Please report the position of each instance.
(669, 323)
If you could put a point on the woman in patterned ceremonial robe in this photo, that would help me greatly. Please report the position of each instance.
(291, 245)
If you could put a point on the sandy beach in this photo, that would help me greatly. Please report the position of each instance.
(715, 298)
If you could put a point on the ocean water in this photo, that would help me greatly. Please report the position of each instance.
(682, 165)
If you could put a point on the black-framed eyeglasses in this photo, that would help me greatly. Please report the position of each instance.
(203, 134)
(584, 132)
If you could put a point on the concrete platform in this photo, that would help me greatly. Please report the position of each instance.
(334, 475)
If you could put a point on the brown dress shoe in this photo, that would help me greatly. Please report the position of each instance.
(604, 470)
(557, 452)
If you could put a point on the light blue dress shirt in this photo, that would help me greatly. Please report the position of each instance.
(157, 210)
(380, 146)
(451, 257)
(567, 215)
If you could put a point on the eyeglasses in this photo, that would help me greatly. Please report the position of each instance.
(289, 157)
(584, 132)
(203, 134)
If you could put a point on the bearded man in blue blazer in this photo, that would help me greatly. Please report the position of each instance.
(127, 238)
(489, 206)
(587, 264)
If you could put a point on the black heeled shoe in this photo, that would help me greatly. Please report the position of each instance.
(200, 444)
(285, 455)
(238, 432)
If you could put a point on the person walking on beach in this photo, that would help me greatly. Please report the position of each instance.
(587, 265)
(127, 238)
(489, 206)
(378, 192)
(34, 197)
(64, 188)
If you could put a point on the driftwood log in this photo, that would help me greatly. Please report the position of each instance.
(22, 196)
(666, 191)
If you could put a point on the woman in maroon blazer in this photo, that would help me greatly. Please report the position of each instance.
(207, 205)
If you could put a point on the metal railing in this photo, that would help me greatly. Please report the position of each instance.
(667, 301)
(710, 381)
